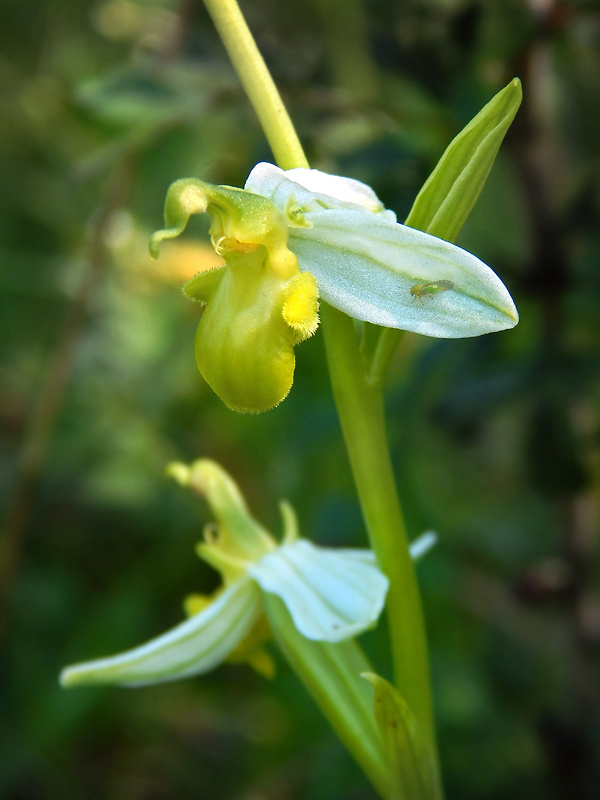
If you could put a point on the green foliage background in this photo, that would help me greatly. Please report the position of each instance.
(495, 440)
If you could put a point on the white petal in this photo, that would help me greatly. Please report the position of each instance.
(418, 548)
(313, 190)
(366, 266)
(331, 594)
(422, 544)
(193, 647)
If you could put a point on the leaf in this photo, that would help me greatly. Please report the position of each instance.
(450, 192)
(411, 767)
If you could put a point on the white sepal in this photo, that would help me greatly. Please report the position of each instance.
(366, 263)
(191, 648)
(331, 595)
(366, 266)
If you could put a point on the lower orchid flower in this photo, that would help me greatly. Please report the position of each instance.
(331, 594)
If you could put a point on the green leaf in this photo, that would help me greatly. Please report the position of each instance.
(450, 192)
(411, 767)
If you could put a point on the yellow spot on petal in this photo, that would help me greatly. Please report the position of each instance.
(300, 309)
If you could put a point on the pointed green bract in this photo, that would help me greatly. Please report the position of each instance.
(447, 197)
(411, 769)
(450, 192)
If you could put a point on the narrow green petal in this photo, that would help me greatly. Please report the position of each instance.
(330, 594)
(366, 266)
(191, 648)
(422, 544)
(410, 764)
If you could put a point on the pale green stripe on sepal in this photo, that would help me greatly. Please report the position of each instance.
(410, 764)
(195, 646)
(330, 673)
(447, 197)
(366, 267)
(331, 594)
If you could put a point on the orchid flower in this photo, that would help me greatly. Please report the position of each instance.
(290, 237)
(331, 594)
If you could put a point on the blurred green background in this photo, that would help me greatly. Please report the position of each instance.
(495, 440)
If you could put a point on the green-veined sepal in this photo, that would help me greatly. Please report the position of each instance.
(191, 648)
(331, 595)
(376, 270)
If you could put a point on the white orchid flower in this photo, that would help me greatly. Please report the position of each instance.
(331, 594)
(291, 237)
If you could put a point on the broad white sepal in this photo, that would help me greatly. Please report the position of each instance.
(366, 263)
(330, 594)
(195, 646)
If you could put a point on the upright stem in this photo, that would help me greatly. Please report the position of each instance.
(359, 402)
(361, 410)
(257, 82)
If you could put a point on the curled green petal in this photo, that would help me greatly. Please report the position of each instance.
(195, 646)
(331, 595)
(240, 220)
(410, 764)
(239, 537)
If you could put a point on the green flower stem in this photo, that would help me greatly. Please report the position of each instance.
(331, 674)
(359, 402)
(361, 410)
(257, 82)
